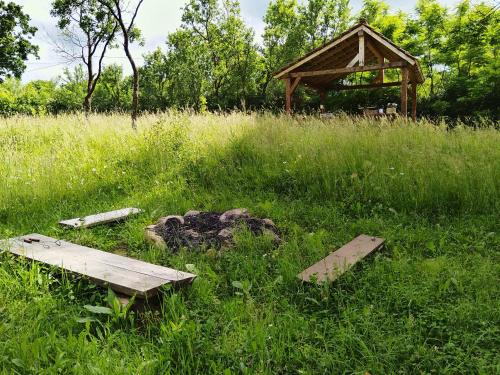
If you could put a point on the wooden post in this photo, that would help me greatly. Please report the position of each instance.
(414, 101)
(361, 51)
(288, 105)
(404, 91)
(381, 72)
(290, 89)
(322, 97)
(380, 61)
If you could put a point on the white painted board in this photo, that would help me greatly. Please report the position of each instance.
(102, 218)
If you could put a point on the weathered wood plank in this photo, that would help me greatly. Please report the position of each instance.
(367, 86)
(102, 218)
(316, 53)
(122, 274)
(338, 262)
(353, 69)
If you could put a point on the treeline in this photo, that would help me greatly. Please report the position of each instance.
(212, 62)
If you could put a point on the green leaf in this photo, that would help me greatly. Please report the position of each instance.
(191, 268)
(98, 309)
(237, 284)
(86, 320)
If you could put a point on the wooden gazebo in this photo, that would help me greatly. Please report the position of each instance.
(359, 49)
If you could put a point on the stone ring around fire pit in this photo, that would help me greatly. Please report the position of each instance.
(206, 229)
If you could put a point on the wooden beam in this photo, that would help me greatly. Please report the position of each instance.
(374, 50)
(380, 60)
(361, 52)
(367, 86)
(288, 94)
(317, 53)
(354, 69)
(404, 91)
(414, 101)
(291, 86)
(353, 61)
(389, 46)
(295, 84)
(328, 57)
(322, 99)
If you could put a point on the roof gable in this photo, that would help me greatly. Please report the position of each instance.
(341, 51)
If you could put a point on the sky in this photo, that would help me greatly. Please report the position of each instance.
(157, 18)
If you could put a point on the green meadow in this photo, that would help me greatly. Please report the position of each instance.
(428, 302)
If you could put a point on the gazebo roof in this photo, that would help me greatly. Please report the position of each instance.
(323, 67)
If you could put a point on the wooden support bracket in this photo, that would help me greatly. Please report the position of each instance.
(354, 61)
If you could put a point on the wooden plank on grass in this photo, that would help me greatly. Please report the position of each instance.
(338, 262)
(102, 218)
(122, 274)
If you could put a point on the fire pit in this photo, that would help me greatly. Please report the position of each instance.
(198, 229)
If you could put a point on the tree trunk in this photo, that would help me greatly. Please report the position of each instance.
(117, 14)
(87, 104)
(135, 78)
(87, 101)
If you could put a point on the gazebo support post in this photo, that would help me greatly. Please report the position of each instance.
(414, 101)
(288, 93)
(322, 99)
(290, 86)
(404, 91)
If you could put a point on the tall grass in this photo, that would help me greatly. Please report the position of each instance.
(347, 161)
(428, 302)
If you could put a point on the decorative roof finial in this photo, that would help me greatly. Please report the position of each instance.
(363, 21)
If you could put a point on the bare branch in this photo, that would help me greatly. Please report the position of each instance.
(132, 21)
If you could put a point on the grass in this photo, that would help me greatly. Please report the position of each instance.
(427, 303)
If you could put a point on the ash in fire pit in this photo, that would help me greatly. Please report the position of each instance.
(209, 229)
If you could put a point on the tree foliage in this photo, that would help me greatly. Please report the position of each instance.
(15, 35)
(213, 62)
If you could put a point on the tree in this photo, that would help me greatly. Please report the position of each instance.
(292, 30)
(429, 29)
(392, 25)
(321, 20)
(189, 65)
(113, 91)
(15, 35)
(90, 29)
(282, 39)
(154, 80)
(213, 57)
(471, 52)
(121, 10)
